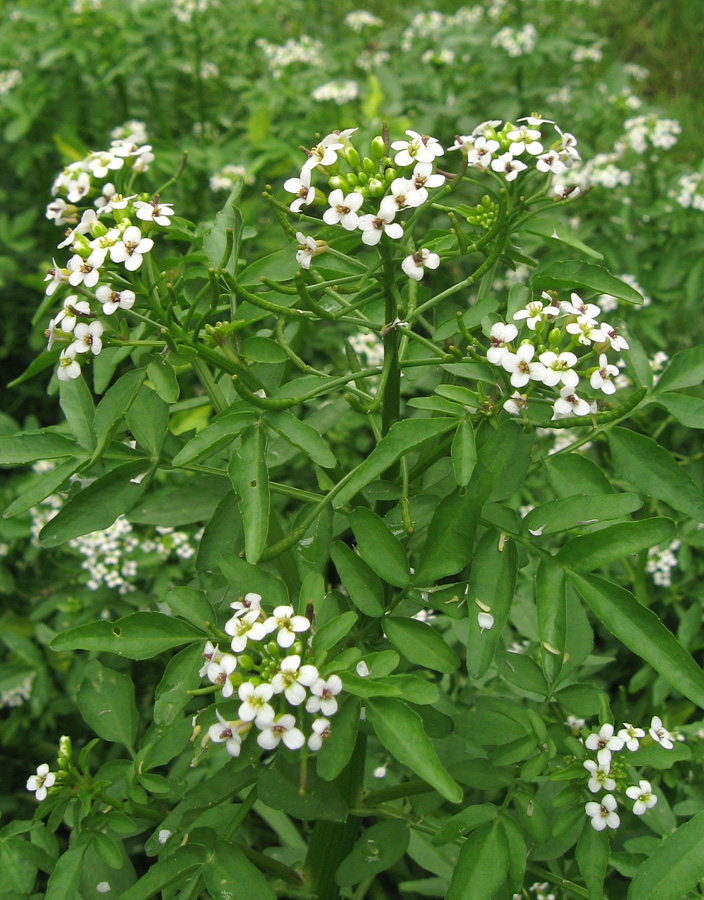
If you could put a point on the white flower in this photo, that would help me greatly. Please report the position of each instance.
(601, 377)
(307, 248)
(550, 162)
(88, 338)
(78, 187)
(463, 142)
(575, 723)
(515, 403)
(535, 313)
(373, 226)
(587, 330)
(508, 165)
(403, 195)
(599, 776)
(424, 177)
(323, 154)
(211, 653)
(40, 782)
(283, 729)
(644, 797)
(568, 146)
(131, 249)
(305, 194)
(604, 742)
(245, 628)
(630, 736)
(68, 316)
(420, 148)
(224, 731)
(219, 672)
(569, 404)
(321, 732)
(362, 669)
(500, 335)
(56, 209)
(255, 703)
(85, 271)
(521, 367)
(343, 209)
(660, 734)
(481, 154)
(577, 307)
(611, 335)
(603, 814)
(323, 695)
(288, 624)
(414, 265)
(154, 212)
(524, 138)
(292, 678)
(113, 300)
(559, 368)
(69, 368)
(250, 603)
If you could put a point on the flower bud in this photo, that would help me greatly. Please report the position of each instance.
(273, 648)
(554, 337)
(368, 165)
(352, 156)
(245, 662)
(363, 177)
(378, 147)
(337, 182)
(352, 180)
(376, 187)
(64, 759)
(390, 174)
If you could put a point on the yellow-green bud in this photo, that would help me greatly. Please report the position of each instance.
(368, 165)
(389, 174)
(378, 147)
(64, 759)
(554, 337)
(363, 177)
(245, 662)
(337, 181)
(352, 180)
(352, 156)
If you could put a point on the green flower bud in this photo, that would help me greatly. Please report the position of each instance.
(337, 181)
(352, 180)
(363, 177)
(245, 662)
(378, 147)
(352, 156)
(376, 188)
(368, 165)
(64, 759)
(555, 337)
(390, 174)
(273, 648)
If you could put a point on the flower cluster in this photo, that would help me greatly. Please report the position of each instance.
(340, 92)
(689, 191)
(226, 178)
(516, 41)
(184, 10)
(280, 56)
(661, 562)
(16, 694)
(280, 695)
(360, 19)
(642, 131)
(9, 79)
(555, 365)
(369, 347)
(608, 303)
(607, 773)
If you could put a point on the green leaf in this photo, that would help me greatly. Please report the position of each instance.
(403, 437)
(245, 578)
(223, 536)
(250, 479)
(193, 606)
(229, 875)
(279, 266)
(97, 506)
(608, 545)
(194, 501)
(379, 548)
(364, 587)
(580, 509)
(148, 420)
(400, 730)
(106, 702)
(77, 406)
(333, 631)
(572, 275)
(492, 583)
(558, 231)
(464, 453)
(303, 436)
(656, 757)
(215, 241)
(685, 369)
(337, 750)
(552, 616)
(482, 864)
(376, 850)
(279, 788)
(652, 471)
(113, 407)
(214, 437)
(140, 635)
(46, 484)
(687, 410)
(172, 869)
(162, 376)
(21, 449)
(643, 633)
(675, 868)
(573, 474)
(518, 854)
(263, 350)
(421, 644)
(66, 876)
(463, 822)
(592, 854)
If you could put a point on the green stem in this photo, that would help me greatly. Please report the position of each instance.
(209, 386)
(391, 402)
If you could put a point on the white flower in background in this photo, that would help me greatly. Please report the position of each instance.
(644, 797)
(301, 187)
(288, 624)
(323, 154)
(131, 249)
(85, 271)
(559, 368)
(40, 782)
(225, 732)
(255, 705)
(599, 779)
(415, 265)
(373, 226)
(343, 210)
(587, 330)
(630, 735)
(605, 742)
(321, 732)
(617, 341)
(576, 724)
(521, 367)
(536, 312)
(251, 602)
(524, 139)
(88, 338)
(568, 147)
(481, 154)
(569, 404)
(601, 378)
(293, 678)
(403, 195)
(500, 336)
(72, 308)
(307, 248)
(245, 628)
(219, 673)
(211, 653)
(603, 814)
(515, 403)
(340, 92)
(420, 148)
(69, 368)
(323, 693)
(508, 165)
(283, 729)
(56, 277)
(113, 300)
(160, 213)
(360, 18)
(660, 734)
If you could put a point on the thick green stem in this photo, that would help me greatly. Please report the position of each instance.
(391, 401)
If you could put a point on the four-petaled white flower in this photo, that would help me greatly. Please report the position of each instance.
(601, 377)
(245, 628)
(301, 187)
(559, 368)
(131, 248)
(643, 795)
(323, 693)
(515, 403)
(160, 213)
(288, 624)
(72, 308)
(569, 404)
(56, 277)
(463, 142)
(293, 678)
(482, 153)
(283, 729)
(660, 734)
(508, 165)
(575, 306)
(415, 265)
(40, 782)
(251, 602)
(587, 330)
(536, 312)
(85, 271)
(403, 195)
(568, 146)
(225, 732)
(500, 335)
(69, 367)
(113, 300)
(88, 338)
(604, 742)
(600, 779)
(373, 226)
(524, 138)
(307, 248)
(420, 148)
(343, 209)
(630, 735)
(321, 732)
(424, 177)
(603, 814)
(211, 653)
(219, 671)
(550, 162)
(78, 187)
(255, 706)
(611, 335)
(323, 154)
(521, 367)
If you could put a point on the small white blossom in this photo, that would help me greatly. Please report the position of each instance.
(604, 742)
(559, 368)
(630, 735)
(373, 226)
(481, 154)
(415, 265)
(307, 248)
(219, 672)
(283, 729)
(72, 308)
(603, 814)
(224, 732)
(255, 705)
(301, 187)
(523, 139)
(88, 338)
(113, 300)
(288, 624)
(600, 779)
(69, 368)
(521, 367)
(85, 271)
(569, 404)
(251, 602)
(660, 734)
(211, 653)
(577, 307)
(343, 210)
(160, 213)
(323, 693)
(245, 628)
(403, 195)
(601, 377)
(586, 329)
(644, 797)
(293, 678)
(535, 313)
(515, 403)
(508, 165)
(323, 154)
(420, 148)
(131, 249)
(500, 336)
(611, 335)
(321, 732)
(550, 162)
(40, 782)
